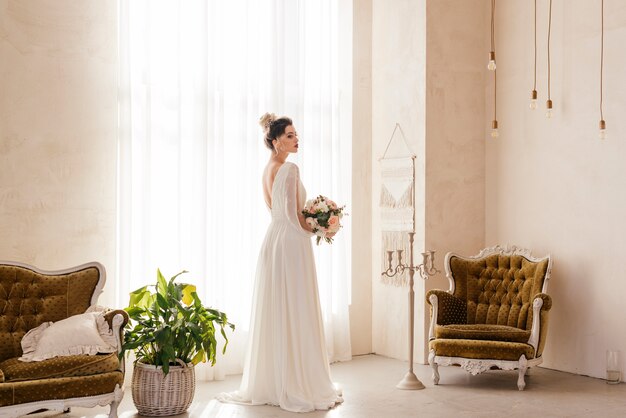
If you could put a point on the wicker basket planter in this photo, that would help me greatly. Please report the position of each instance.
(156, 395)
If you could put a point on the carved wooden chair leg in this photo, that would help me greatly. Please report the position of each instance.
(523, 366)
(113, 410)
(119, 394)
(434, 366)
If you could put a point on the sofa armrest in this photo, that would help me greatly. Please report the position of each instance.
(117, 320)
(542, 303)
(110, 315)
(445, 309)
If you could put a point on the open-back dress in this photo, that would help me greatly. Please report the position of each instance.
(286, 360)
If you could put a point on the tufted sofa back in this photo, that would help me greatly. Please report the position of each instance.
(29, 298)
(498, 288)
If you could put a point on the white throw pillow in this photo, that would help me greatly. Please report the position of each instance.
(87, 333)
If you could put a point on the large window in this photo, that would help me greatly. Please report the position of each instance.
(195, 76)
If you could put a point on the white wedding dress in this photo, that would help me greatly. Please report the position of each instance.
(286, 360)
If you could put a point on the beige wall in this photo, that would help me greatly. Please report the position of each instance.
(455, 145)
(427, 75)
(398, 66)
(361, 210)
(552, 185)
(58, 112)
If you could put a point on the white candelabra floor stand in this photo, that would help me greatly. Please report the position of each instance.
(425, 270)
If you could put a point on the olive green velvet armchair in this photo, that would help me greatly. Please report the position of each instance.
(30, 297)
(495, 314)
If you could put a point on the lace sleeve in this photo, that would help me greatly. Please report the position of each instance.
(293, 211)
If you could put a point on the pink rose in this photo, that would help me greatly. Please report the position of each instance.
(333, 223)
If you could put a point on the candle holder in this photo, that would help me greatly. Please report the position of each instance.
(425, 270)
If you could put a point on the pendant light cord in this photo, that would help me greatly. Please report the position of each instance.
(493, 49)
(601, 58)
(493, 25)
(549, 29)
(535, 80)
(495, 96)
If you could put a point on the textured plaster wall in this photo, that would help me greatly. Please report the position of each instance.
(427, 75)
(455, 144)
(398, 66)
(552, 185)
(58, 112)
(361, 210)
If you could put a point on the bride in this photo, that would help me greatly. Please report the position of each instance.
(286, 361)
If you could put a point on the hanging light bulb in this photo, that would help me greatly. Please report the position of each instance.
(491, 66)
(494, 129)
(533, 100)
(602, 129)
(492, 61)
(549, 109)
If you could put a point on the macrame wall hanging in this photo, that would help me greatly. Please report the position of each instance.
(397, 205)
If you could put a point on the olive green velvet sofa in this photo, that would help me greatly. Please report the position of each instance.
(495, 314)
(30, 297)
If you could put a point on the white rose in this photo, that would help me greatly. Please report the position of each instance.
(323, 207)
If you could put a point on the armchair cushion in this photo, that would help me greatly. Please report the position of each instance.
(15, 393)
(481, 349)
(482, 332)
(15, 370)
(450, 309)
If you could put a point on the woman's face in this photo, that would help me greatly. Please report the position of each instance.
(288, 141)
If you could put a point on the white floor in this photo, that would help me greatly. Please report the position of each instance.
(368, 384)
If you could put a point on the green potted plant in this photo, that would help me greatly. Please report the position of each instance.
(171, 331)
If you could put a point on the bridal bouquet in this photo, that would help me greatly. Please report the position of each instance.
(323, 216)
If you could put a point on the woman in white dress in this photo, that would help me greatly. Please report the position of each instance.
(286, 360)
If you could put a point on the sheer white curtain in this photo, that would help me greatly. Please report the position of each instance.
(195, 76)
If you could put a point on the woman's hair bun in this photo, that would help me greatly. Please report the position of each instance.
(266, 120)
(273, 127)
